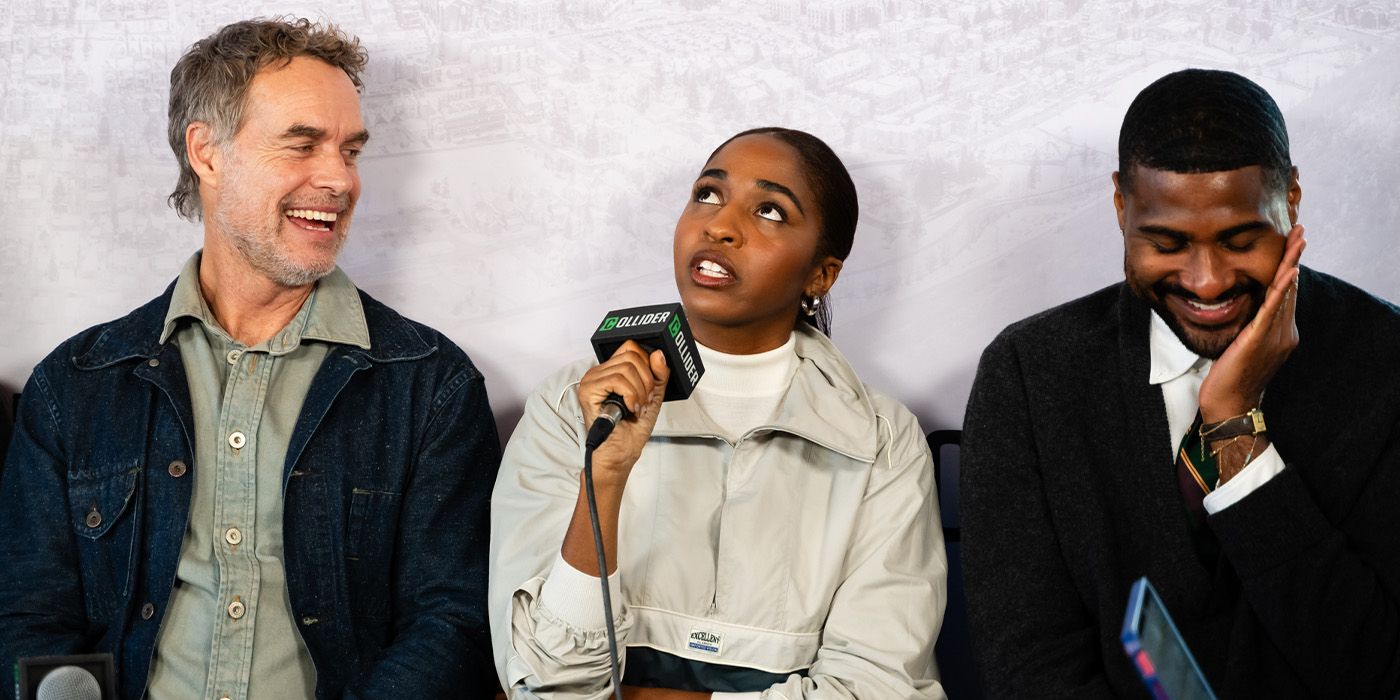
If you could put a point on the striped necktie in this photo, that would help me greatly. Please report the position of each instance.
(1196, 474)
(1196, 470)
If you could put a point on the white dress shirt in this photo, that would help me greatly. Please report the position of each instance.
(1180, 373)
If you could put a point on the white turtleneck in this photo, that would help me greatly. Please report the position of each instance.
(740, 392)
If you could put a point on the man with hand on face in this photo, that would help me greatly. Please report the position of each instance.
(264, 483)
(1224, 422)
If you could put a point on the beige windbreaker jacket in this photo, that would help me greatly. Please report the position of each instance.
(812, 543)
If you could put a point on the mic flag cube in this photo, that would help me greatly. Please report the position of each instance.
(659, 327)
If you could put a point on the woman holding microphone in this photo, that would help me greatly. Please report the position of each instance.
(774, 535)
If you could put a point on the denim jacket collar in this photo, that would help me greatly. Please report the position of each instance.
(137, 336)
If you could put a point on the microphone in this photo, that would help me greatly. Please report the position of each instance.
(658, 327)
(82, 677)
(69, 683)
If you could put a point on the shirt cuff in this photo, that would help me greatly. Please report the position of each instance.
(1255, 474)
(577, 598)
(736, 696)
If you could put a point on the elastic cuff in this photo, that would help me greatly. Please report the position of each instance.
(576, 598)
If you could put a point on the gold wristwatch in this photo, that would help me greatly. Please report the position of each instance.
(1251, 423)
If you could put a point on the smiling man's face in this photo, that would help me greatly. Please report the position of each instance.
(288, 182)
(1202, 248)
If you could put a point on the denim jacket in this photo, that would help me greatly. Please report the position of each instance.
(387, 486)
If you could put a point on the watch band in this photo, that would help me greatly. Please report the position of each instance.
(1251, 423)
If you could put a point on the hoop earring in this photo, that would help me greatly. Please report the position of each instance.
(810, 306)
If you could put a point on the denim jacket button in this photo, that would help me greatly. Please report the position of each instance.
(236, 609)
(94, 518)
(148, 611)
(177, 469)
(154, 362)
(233, 536)
(237, 440)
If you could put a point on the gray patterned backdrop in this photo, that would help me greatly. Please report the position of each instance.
(530, 158)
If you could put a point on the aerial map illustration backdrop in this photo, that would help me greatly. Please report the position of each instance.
(529, 159)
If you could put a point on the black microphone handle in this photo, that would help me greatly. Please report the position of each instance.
(614, 408)
(612, 411)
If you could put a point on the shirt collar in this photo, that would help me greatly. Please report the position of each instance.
(332, 313)
(338, 316)
(186, 301)
(1170, 357)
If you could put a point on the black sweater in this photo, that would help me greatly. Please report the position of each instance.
(1069, 494)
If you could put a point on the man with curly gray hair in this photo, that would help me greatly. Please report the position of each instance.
(264, 483)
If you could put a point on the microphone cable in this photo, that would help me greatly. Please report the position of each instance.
(602, 427)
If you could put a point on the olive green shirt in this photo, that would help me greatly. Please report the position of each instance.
(229, 631)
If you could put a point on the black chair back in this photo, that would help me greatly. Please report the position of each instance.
(7, 419)
(954, 648)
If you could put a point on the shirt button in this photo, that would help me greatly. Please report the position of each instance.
(236, 609)
(148, 611)
(93, 518)
(233, 356)
(237, 440)
(177, 469)
(233, 536)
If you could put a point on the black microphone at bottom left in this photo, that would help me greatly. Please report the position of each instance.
(80, 677)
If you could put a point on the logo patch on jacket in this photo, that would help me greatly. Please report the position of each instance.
(708, 642)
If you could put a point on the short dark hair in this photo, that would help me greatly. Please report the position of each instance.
(210, 82)
(1204, 121)
(836, 200)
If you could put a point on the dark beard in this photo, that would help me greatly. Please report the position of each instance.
(1212, 346)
